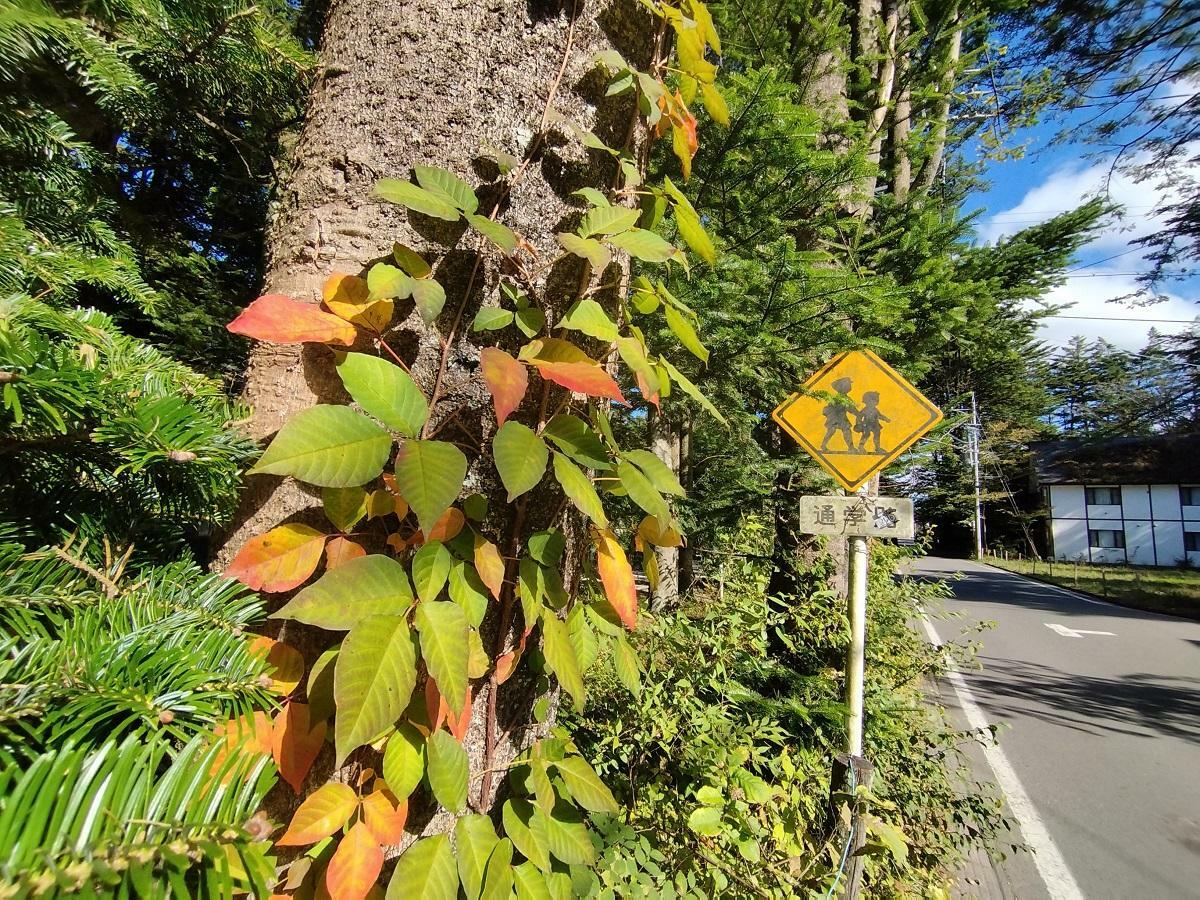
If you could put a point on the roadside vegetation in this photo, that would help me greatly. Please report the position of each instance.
(1174, 591)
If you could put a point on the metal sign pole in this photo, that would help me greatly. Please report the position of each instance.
(856, 657)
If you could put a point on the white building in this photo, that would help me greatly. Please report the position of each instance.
(1134, 501)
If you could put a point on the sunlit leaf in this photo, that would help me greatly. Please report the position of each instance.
(585, 785)
(426, 870)
(329, 446)
(560, 657)
(646, 245)
(286, 663)
(385, 391)
(567, 836)
(492, 318)
(430, 298)
(373, 680)
(686, 333)
(498, 879)
(405, 193)
(617, 576)
(282, 320)
(355, 865)
(694, 392)
(385, 815)
(404, 760)
(579, 490)
(350, 297)
(660, 532)
(583, 639)
(468, 591)
(340, 599)
(489, 564)
(429, 475)
(448, 770)
(448, 186)
(443, 628)
(474, 840)
(641, 491)
(506, 380)
(588, 316)
(517, 815)
(657, 471)
(321, 814)
(448, 525)
(520, 457)
(587, 248)
(625, 662)
(430, 568)
(576, 439)
(500, 235)
(715, 103)
(608, 220)
(280, 560)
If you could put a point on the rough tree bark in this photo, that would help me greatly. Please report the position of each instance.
(941, 116)
(424, 81)
(901, 163)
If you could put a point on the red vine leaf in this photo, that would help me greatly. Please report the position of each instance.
(506, 379)
(282, 320)
(462, 722)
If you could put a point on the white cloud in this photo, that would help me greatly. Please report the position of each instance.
(1098, 281)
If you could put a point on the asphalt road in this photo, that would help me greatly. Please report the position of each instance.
(1103, 732)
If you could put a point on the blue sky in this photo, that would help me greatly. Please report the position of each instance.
(1051, 179)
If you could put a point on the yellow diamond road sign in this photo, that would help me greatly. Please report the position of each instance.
(856, 416)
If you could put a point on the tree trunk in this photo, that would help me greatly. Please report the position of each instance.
(687, 555)
(882, 100)
(902, 115)
(941, 116)
(664, 443)
(409, 82)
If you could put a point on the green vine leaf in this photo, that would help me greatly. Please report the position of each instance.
(530, 320)
(520, 457)
(425, 871)
(430, 568)
(430, 298)
(527, 833)
(407, 194)
(448, 186)
(588, 316)
(500, 235)
(686, 333)
(583, 639)
(547, 546)
(657, 471)
(560, 657)
(449, 770)
(443, 628)
(385, 391)
(474, 840)
(404, 761)
(492, 318)
(694, 392)
(625, 661)
(469, 592)
(373, 680)
(587, 248)
(607, 220)
(337, 601)
(329, 446)
(647, 246)
(531, 586)
(429, 476)
(579, 490)
(385, 282)
(641, 491)
(410, 261)
(687, 220)
(532, 884)
(344, 506)
(585, 785)
(575, 438)
(498, 879)
(567, 836)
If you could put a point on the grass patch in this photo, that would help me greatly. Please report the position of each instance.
(1173, 591)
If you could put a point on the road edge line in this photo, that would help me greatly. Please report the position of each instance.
(1051, 866)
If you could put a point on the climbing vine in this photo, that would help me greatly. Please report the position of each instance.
(411, 568)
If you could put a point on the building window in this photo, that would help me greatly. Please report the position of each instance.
(1191, 541)
(1190, 496)
(1103, 496)
(1106, 539)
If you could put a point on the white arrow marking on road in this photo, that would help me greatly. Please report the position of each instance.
(1064, 631)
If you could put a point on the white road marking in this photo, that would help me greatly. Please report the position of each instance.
(1073, 632)
(1059, 881)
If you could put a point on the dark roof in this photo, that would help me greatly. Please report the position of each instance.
(1161, 459)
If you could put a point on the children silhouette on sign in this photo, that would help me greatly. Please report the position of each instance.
(868, 420)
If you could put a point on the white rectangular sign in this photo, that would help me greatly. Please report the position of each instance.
(883, 517)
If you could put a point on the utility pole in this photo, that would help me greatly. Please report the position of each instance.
(973, 449)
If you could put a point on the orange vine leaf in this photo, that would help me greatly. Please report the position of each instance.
(296, 742)
(322, 813)
(435, 706)
(489, 564)
(617, 576)
(341, 550)
(506, 380)
(448, 526)
(462, 722)
(384, 815)
(281, 320)
(280, 560)
(355, 865)
(287, 661)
